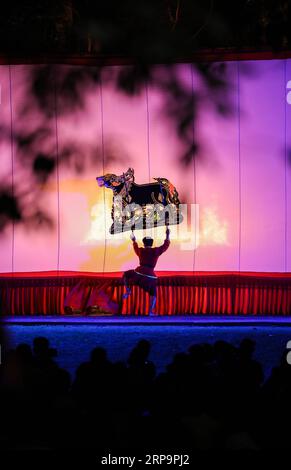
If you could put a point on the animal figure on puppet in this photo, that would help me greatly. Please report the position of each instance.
(141, 206)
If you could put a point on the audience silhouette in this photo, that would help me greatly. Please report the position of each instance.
(212, 396)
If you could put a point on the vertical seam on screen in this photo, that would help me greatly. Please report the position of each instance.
(12, 165)
(239, 164)
(103, 168)
(57, 170)
(285, 170)
(194, 173)
(148, 132)
(148, 141)
(239, 178)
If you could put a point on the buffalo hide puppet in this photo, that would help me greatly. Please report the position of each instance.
(141, 206)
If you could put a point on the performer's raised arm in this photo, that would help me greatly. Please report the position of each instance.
(135, 245)
(161, 249)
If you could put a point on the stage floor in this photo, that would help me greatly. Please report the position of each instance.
(191, 320)
(74, 338)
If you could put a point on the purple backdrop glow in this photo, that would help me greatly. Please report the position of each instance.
(240, 180)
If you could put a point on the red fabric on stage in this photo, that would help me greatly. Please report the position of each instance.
(91, 296)
(179, 293)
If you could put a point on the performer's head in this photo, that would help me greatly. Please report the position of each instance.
(148, 242)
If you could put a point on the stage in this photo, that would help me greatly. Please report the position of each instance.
(135, 320)
(180, 294)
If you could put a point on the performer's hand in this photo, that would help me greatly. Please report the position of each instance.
(132, 237)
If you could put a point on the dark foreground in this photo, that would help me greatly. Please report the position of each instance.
(182, 387)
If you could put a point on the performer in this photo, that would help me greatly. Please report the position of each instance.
(144, 275)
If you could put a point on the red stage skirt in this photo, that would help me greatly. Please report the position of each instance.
(178, 293)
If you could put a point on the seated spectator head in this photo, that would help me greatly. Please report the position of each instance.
(140, 352)
(98, 355)
(41, 348)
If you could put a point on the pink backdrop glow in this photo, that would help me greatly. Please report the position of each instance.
(242, 177)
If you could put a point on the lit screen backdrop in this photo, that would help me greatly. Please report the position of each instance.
(241, 179)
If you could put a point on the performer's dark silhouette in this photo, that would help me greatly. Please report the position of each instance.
(144, 275)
